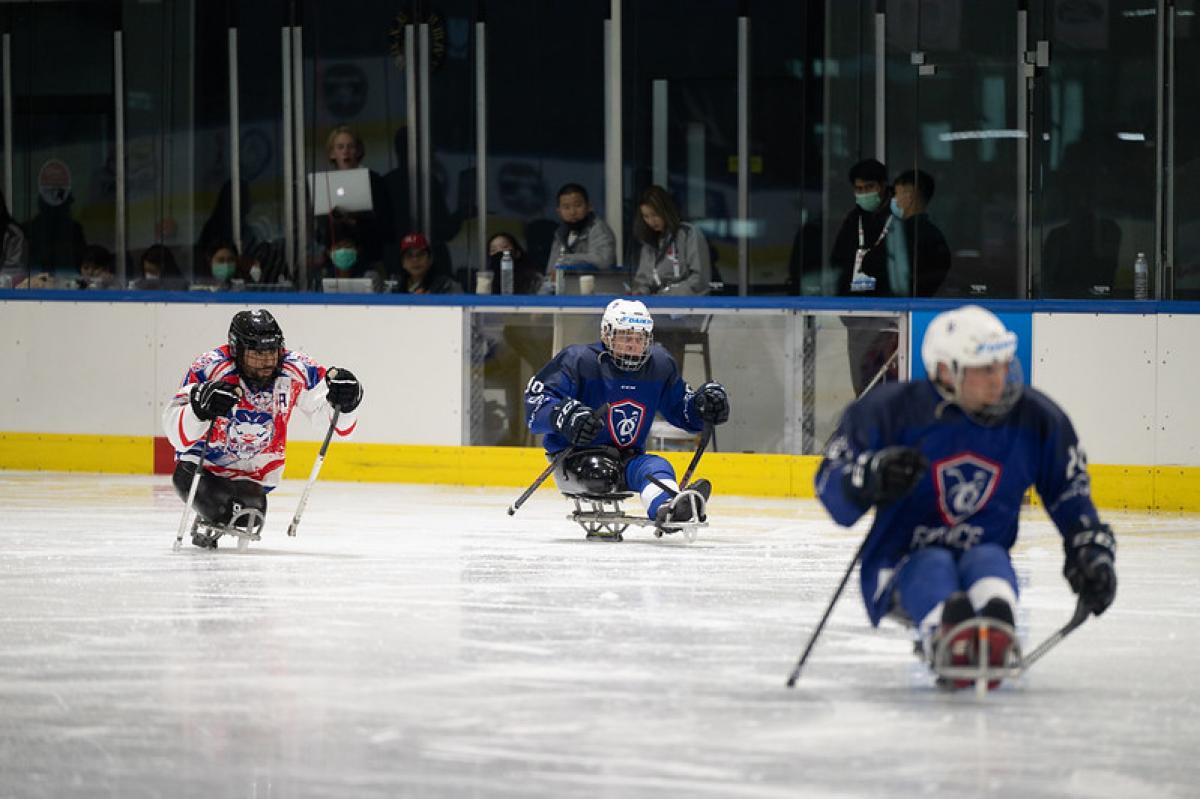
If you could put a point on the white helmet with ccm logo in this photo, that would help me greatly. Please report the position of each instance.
(631, 322)
(971, 336)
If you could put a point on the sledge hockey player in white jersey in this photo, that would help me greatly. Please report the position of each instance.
(598, 400)
(245, 392)
(946, 462)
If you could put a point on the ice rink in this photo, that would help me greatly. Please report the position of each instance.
(416, 641)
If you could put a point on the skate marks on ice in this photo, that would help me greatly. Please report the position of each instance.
(417, 641)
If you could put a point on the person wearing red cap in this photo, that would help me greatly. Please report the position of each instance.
(417, 258)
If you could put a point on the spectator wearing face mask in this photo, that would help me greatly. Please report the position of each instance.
(96, 271)
(527, 276)
(347, 257)
(159, 271)
(860, 248)
(582, 238)
(223, 264)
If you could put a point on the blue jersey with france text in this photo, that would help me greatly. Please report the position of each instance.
(977, 476)
(586, 372)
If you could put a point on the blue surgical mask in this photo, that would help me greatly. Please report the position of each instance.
(344, 257)
(896, 211)
(869, 202)
(223, 270)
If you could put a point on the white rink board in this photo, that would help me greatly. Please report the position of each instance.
(1177, 432)
(1127, 381)
(1101, 369)
(110, 368)
(79, 368)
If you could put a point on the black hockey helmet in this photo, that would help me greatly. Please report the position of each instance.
(591, 471)
(259, 332)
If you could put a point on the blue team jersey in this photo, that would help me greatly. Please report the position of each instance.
(977, 475)
(586, 372)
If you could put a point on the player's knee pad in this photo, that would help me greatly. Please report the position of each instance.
(590, 471)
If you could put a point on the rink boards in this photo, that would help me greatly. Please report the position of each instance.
(88, 381)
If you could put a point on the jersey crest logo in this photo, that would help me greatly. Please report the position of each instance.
(249, 433)
(625, 421)
(964, 484)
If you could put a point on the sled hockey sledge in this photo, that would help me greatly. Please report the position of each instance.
(978, 640)
(245, 525)
(603, 520)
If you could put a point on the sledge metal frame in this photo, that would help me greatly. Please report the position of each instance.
(981, 673)
(605, 521)
(246, 525)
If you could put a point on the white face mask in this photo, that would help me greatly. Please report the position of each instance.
(255, 274)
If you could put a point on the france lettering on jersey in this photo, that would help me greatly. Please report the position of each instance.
(586, 372)
(977, 477)
(249, 444)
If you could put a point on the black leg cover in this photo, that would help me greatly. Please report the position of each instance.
(215, 495)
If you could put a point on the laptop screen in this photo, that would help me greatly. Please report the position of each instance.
(347, 285)
(345, 189)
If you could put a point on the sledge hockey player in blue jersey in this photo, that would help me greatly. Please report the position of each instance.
(599, 400)
(945, 463)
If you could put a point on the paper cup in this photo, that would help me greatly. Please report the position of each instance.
(483, 282)
(587, 284)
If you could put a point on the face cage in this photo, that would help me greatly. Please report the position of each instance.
(1014, 386)
(240, 360)
(628, 363)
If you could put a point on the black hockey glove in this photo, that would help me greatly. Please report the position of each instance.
(879, 478)
(1089, 566)
(214, 399)
(712, 403)
(576, 422)
(345, 392)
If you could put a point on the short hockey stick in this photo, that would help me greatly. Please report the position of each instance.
(541, 478)
(1081, 615)
(312, 477)
(191, 497)
(704, 439)
(795, 675)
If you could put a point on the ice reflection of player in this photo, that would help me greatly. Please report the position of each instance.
(626, 371)
(246, 390)
(938, 550)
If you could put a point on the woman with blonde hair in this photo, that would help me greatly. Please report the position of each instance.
(674, 255)
(345, 149)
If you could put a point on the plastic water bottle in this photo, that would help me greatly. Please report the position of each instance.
(1141, 278)
(506, 273)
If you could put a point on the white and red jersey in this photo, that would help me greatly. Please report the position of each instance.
(249, 443)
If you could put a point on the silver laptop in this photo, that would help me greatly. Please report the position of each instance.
(347, 285)
(346, 189)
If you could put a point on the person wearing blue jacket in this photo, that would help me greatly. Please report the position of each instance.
(945, 462)
(600, 398)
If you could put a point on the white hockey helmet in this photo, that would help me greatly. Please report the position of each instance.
(627, 331)
(971, 336)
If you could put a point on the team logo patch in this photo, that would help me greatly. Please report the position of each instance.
(964, 484)
(249, 433)
(625, 421)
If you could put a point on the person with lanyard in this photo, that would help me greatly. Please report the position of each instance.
(674, 257)
(860, 248)
(865, 262)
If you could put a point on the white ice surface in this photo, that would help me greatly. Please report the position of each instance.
(416, 641)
